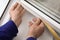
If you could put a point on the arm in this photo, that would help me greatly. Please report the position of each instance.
(8, 31)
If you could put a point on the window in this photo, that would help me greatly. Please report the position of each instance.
(51, 6)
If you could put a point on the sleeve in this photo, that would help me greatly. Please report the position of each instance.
(31, 38)
(8, 31)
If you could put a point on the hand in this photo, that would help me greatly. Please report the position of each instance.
(16, 13)
(36, 28)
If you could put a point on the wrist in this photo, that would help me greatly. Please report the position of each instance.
(15, 21)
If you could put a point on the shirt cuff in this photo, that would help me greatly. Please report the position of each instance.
(31, 38)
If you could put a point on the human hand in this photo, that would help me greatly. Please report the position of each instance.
(36, 28)
(16, 13)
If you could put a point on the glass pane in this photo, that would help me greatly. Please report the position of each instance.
(53, 5)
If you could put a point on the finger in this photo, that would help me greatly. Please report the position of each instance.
(38, 21)
(22, 9)
(34, 19)
(41, 24)
(30, 23)
(14, 6)
(22, 12)
(18, 7)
